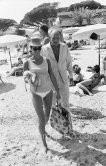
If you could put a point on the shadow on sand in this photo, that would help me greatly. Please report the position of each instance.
(86, 113)
(6, 87)
(83, 148)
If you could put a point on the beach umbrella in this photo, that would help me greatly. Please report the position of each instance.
(10, 41)
(87, 31)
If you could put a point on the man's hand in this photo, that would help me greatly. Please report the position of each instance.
(58, 95)
(71, 82)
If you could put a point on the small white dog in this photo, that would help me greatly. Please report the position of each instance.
(32, 78)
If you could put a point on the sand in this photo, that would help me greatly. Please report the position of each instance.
(20, 143)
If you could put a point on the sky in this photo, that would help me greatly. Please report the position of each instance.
(16, 9)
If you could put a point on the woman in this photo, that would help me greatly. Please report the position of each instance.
(86, 86)
(38, 72)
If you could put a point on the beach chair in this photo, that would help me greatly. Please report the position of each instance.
(19, 72)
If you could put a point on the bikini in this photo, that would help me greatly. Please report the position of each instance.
(44, 86)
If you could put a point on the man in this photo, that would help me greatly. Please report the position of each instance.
(44, 34)
(61, 62)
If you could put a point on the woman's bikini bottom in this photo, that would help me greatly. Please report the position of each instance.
(43, 94)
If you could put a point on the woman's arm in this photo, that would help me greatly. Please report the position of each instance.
(26, 71)
(53, 78)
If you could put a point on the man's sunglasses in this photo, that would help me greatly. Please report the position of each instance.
(36, 48)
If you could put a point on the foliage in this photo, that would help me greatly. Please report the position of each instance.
(89, 16)
(90, 4)
(62, 9)
(100, 20)
(84, 16)
(6, 23)
(83, 11)
(77, 17)
(41, 13)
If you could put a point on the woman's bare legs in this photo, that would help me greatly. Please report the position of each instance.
(38, 105)
(82, 88)
(47, 100)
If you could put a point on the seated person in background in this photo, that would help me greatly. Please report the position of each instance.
(16, 67)
(19, 63)
(75, 45)
(86, 86)
(77, 76)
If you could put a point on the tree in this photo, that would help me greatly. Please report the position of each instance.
(89, 15)
(90, 4)
(41, 13)
(83, 14)
(77, 17)
(6, 23)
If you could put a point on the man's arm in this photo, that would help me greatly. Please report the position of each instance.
(53, 78)
(69, 63)
(25, 66)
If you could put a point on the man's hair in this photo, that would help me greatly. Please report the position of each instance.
(76, 69)
(44, 27)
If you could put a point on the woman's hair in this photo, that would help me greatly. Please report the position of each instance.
(75, 66)
(96, 68)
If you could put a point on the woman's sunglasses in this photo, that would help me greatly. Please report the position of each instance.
(36, 48)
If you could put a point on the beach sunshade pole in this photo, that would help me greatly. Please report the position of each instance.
(86, 31)
(10, 57)
(99, 48)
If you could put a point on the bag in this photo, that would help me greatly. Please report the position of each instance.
(60, 120)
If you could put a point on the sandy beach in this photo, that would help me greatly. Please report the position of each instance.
(20, 143)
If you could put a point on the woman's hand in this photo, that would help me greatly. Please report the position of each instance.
(27, 76)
